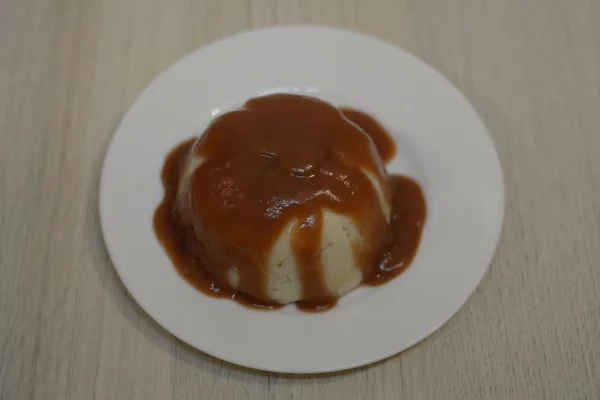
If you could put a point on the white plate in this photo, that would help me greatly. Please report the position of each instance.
(441, 142)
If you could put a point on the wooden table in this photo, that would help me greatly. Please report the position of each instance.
(69, 70)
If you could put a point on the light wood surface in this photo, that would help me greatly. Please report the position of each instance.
(69, 69)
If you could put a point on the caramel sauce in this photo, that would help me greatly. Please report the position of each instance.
(277, 164)
(383, 141)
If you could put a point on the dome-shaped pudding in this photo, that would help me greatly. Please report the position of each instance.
(288, 200)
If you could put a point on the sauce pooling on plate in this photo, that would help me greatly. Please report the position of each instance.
(288, 198)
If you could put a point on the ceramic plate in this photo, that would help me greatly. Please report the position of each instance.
(441, 142)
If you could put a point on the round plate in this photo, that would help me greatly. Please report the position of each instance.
(441, 142)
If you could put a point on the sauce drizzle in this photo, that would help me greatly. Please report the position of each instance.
(284, 158)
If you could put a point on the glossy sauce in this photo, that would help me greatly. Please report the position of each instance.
(284, 158)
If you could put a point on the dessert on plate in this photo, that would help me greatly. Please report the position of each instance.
(287, 199)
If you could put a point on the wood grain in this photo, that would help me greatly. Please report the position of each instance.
(69, 70)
